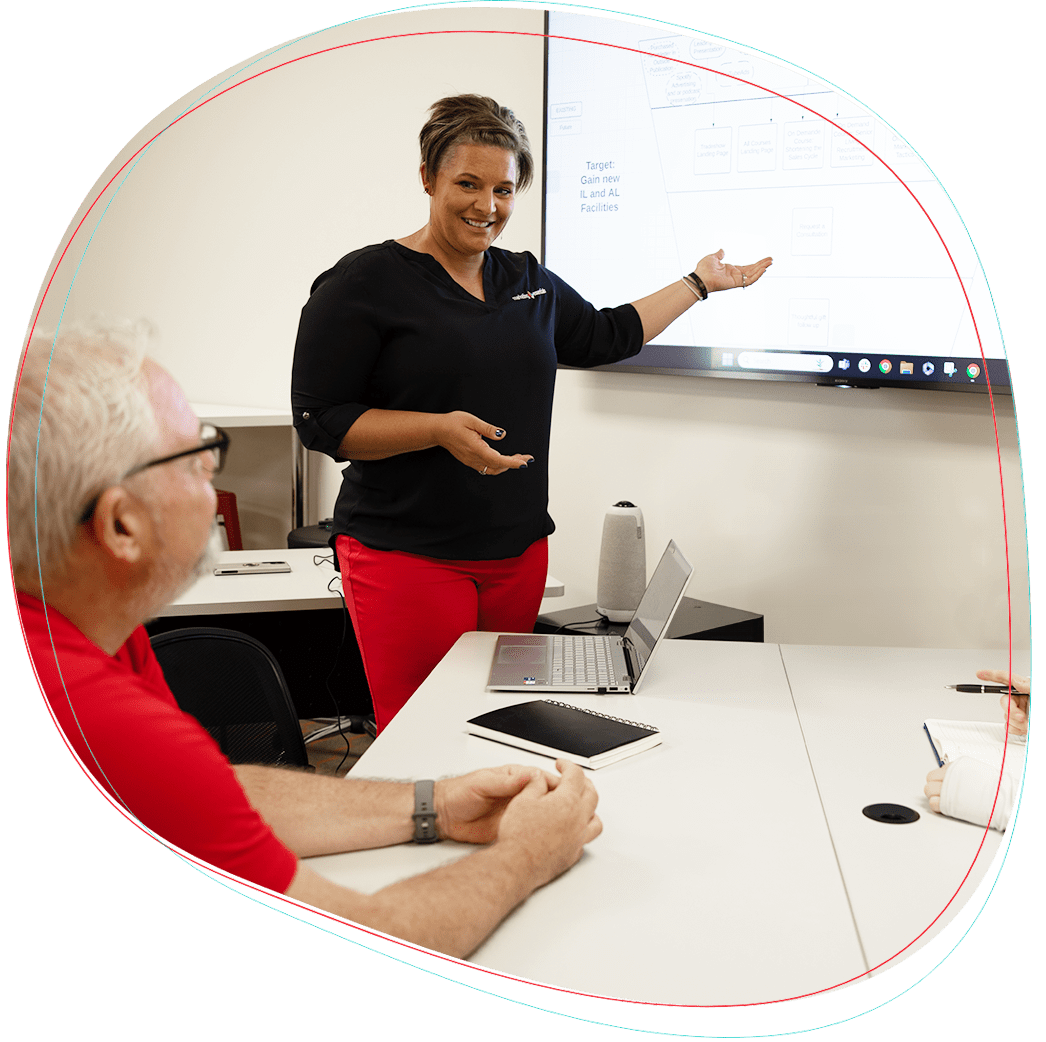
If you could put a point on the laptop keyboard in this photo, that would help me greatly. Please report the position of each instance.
(582, 660)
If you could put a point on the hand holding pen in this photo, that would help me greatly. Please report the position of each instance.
(1015, 701)
(1014, 689)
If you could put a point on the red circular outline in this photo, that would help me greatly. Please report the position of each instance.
(373, 933)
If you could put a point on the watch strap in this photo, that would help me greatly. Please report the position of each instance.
(425, 812)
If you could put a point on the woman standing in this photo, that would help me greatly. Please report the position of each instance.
(429, 362)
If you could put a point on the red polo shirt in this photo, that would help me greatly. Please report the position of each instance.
(125, 725)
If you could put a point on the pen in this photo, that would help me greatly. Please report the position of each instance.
(982, 689)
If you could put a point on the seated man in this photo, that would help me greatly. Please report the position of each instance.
(111, 511)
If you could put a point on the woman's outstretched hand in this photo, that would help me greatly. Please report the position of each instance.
(717, 275)
(465, 436)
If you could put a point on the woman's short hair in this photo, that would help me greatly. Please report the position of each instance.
(471, 119)
(82, 418)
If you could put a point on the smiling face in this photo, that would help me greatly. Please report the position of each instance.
(471, 198)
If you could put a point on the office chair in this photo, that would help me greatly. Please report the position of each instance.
(232, 684)
(229, 518)
(313, 537)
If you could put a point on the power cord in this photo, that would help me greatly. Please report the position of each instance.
(340, 725)
(601, 621)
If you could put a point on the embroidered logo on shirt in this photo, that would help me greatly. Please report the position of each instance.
(529, 295)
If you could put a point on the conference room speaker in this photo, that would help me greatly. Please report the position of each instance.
(622, 563)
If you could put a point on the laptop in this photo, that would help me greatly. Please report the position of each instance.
(590, 663)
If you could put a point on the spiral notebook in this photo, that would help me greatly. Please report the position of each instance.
(556, 729)
(950, 739)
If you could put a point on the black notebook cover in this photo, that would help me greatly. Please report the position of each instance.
(562, 728)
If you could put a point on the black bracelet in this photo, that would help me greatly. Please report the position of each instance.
(424, 812)
(695, 280)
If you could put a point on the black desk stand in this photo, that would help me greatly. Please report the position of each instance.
(695, 620)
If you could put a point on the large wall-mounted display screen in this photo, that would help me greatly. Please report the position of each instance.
(661, 148)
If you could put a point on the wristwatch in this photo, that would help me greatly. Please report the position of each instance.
(424, 812)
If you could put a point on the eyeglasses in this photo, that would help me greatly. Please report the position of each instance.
(215, 441)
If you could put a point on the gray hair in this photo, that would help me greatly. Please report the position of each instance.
(81, 420)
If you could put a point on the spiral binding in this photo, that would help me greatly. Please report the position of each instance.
(605, 716)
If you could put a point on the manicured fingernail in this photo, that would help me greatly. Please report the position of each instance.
(522, 466)
(499, 433)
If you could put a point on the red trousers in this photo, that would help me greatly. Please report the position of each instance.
(408, 610)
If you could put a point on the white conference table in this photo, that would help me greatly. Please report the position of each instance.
(306, 587)
(735, 864)
(862, 711)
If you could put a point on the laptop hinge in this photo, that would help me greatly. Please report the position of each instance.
(635, 667)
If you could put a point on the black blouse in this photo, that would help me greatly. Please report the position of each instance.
(388, 328)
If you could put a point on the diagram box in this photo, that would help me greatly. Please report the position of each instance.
(847, 152)
(757, 148)
(808, 322)
(712, 150)
(812, 231)
(565, 110)
(804, 145)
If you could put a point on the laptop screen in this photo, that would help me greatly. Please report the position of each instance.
(663, 592)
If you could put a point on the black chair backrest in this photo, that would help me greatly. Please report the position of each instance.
(232, 684)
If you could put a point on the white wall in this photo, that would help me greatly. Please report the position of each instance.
(846, 517)
(216, 231)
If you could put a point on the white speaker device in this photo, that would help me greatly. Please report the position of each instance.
(622, 563)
